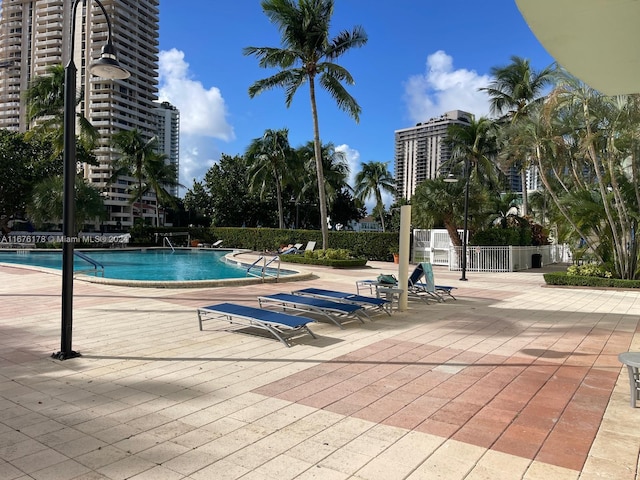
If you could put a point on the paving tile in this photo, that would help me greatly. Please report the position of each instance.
(38, 460)
(511, 378)
(66, 470)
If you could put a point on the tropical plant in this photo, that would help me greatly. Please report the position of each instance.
(268, 157)
(45, 112)
(590, 165)
(475, 145)
(335, 171)
(24, 162)
(46, 202)
(138, 158)
(438, 203)
(372, 180)
(514, 90)
(308, 54)
(224, 196)
(159, 178)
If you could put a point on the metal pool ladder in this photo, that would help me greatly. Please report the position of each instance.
(263, 270)
(98, 268)
(165, 240)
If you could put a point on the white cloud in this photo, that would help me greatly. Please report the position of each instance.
(197, 155)
(353, 160)
(203, 115)
(442, 88)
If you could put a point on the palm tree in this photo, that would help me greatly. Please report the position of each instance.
(371, 181)
(515, 88)
(307, 52)
(159, 177)
(45, 204)
(436, 202)
(591, 169)
(476, 143)
(45, 109)
(136, 153)
(268, 157)
(335, 169)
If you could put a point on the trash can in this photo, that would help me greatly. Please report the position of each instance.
(536, 260)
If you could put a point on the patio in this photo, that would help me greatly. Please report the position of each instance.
(512, 380)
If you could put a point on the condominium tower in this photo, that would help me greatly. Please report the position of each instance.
(34, 34)
(420, 151)
(168, 135)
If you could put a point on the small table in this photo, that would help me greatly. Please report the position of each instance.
(632, 361)
(367, 284)
(392, 294)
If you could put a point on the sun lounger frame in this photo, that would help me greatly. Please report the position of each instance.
(374, 303)
(332, 311)
(283, 326)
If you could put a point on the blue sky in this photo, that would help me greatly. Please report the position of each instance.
(422, 59)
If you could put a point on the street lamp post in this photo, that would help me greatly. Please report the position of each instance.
(107, 67)
(466, 219)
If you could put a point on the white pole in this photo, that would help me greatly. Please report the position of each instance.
(403, 265)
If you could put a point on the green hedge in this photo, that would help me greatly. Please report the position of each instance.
(329, 262)
(561, 278)
(369, 245)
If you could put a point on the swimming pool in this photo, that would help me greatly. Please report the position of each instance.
(142, 265)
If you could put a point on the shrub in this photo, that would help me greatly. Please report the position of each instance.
(331, 258)
(588, 270)
(562, 278)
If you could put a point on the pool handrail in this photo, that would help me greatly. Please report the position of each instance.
(264, 271)
(166, 240)
(97, 266)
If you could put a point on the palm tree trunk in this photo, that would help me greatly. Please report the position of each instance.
(319, 171)
(140, 200)
(280, 206)
(380, 208)
(454, 236)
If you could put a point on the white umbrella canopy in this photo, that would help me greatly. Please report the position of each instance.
(597, 41)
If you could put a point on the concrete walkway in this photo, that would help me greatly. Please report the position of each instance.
(513, 380)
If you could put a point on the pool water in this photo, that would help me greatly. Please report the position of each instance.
(147, 264)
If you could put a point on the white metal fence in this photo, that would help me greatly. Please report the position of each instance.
(508, 258)
(432, 246)
(435, 246)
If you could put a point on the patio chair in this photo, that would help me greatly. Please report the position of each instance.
(281, 325)
(437, 291)
(311, 245)
(415, 288)
(374, 303)
(335, 312)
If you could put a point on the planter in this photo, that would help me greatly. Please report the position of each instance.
(396, 258)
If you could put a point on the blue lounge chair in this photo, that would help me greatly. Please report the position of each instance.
(344, 297)
(281, 325)
(415, 288)
(335, 312)
(439, 290)
(425, 270)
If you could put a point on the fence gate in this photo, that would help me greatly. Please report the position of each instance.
(431, 246)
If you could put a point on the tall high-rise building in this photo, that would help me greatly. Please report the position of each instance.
(168, 122)
(420, 151)
(34, 34)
